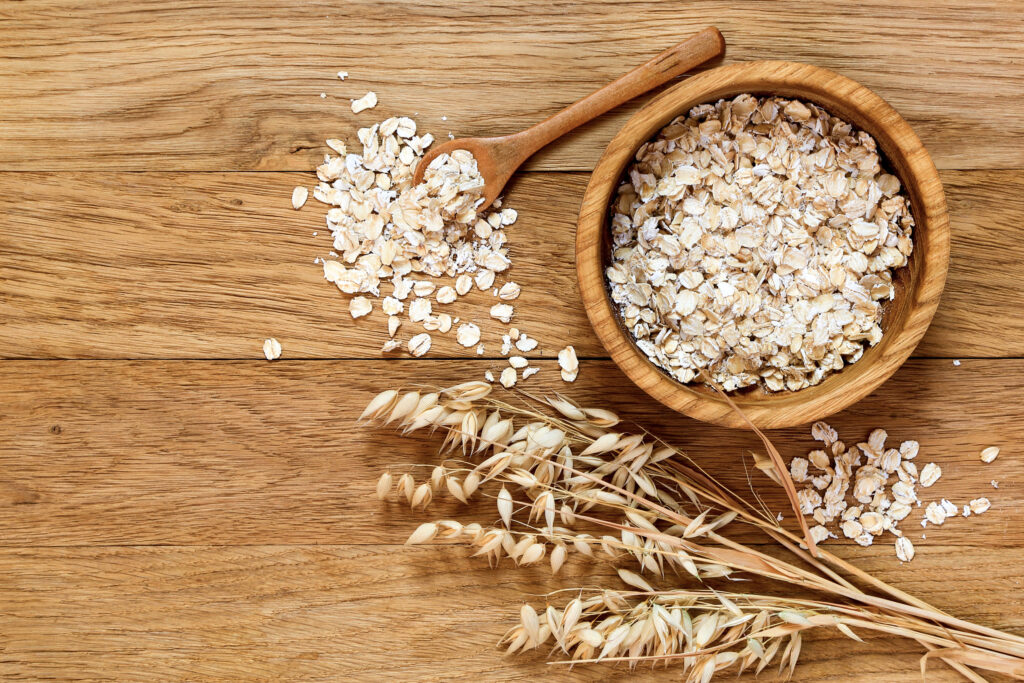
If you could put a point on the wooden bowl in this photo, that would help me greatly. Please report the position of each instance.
(918, 285)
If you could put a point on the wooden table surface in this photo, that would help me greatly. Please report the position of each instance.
(172, 506)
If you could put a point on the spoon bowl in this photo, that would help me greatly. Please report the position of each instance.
(496, 159)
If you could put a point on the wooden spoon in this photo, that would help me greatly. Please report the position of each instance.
(498, 158)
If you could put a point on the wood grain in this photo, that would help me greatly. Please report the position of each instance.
(152, 265)
(245, 452)
(210, 520)
(329, 612)
(144, 85)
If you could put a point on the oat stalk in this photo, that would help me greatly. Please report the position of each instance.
(571, 483)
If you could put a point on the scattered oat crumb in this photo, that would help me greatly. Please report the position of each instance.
(518, 362)
(272, 349)
(367, 101)
(568, 363)
(480, 349)
(444, 118)
(393, 322)
(508, 378)
(956, 363)
(390, 345)
(530, 372)
(323, 96)
(359, 306)
(489, 376)
(342, 75)
(299, 196)
(995, 484)
(989, 454)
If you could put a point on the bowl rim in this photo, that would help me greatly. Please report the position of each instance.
(900, 146)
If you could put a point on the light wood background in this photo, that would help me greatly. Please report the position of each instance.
(174, 507)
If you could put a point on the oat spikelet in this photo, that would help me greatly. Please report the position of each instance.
(379, 405)
(384, 485)
(505, 506)
(634, 580)
(424, 533)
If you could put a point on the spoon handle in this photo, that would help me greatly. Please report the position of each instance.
(675, 61)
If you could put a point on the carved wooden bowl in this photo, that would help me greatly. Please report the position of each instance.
(918, 285)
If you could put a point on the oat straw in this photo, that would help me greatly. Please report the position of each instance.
(569, 486)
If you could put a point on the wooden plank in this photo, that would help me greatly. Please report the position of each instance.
(190, 452)
(141, 265)
(145, 86)
(379, 613)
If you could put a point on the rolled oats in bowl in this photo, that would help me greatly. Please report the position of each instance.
(754, 243)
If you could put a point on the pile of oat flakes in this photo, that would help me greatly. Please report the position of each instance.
(755, 240)
(387, 231)
(868, 468)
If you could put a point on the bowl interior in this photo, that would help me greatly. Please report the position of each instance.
(902, 155)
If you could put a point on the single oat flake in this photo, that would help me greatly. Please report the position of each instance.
(467, 335)
(272, 349)
(299, 196)
(930, 474)
(419, 344)
(359, 306)
(904, 549)
(568, 364)
(989, 454)
(502, 312)
(367, 101)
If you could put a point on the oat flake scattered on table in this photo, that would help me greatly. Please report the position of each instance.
(756, 239)
(387, 231)
(272, 349)
(834, 474)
